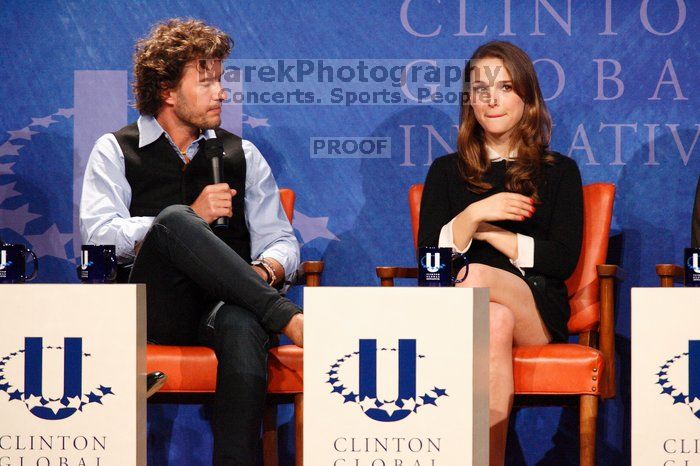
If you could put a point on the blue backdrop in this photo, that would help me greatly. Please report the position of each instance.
(619, 77)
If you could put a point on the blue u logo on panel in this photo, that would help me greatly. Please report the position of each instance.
(680, 384)
(405, 402)
(32, 392)
(368, 378)
(72, 375)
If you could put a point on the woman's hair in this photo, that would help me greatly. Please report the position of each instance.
(160, 58)
(530, 137)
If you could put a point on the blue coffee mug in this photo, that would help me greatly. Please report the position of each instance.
(13, 263)
(98, 264)
(691, 259)
(440, 266)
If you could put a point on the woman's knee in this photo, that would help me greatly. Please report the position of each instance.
(479, 275)
(501, 325)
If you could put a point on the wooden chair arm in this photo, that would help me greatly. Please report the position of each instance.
(669, 273)
(388, 274)
(607, 274)
(312, 271)
(611, 271)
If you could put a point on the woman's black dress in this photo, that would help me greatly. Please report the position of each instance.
(556, 226)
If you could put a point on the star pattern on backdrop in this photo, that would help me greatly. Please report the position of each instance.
(9, 149)
(50, 243)
(311, 228)
(45, 121)
(7, 191)
(673, 391)
(255, 122)
(17, 219)
(350, 395)
(65, 112)
(6, 168)
(24, 133)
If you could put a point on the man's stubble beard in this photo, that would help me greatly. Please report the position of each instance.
(201, 122)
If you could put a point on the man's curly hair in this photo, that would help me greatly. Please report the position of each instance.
(160, 58)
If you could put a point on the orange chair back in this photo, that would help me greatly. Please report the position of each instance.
(287, 198)
(583, 285)
(415, 194)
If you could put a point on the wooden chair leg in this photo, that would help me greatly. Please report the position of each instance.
(588, 412)
(269, 440)
(299, 429)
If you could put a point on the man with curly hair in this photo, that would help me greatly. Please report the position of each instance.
(148, 189)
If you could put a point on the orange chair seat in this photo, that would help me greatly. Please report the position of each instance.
(557, 369)
(285, 370)
(192, 369)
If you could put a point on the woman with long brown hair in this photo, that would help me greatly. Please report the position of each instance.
(514, 207)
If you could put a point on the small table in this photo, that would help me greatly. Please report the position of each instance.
(396, 376)
(72, 374)
(666, 376)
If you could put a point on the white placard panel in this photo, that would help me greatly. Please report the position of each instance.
(666, 376)
(395, 376)
(72, 375)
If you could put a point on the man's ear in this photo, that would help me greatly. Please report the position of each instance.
(168, 95)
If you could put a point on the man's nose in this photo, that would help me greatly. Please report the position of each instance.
(221, 94)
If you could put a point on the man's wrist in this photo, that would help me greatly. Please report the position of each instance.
(260, 270)
(269, 270)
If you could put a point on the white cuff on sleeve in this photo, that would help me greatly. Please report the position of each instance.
(446, 241)
(526, 253)
(130, 232)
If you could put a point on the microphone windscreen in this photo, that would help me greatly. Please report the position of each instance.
(213, 148)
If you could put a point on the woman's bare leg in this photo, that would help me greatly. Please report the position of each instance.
(514, 321)
(502, 323)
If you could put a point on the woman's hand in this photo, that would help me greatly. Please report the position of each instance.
(483, 230)
(501, 206)
(503, 240)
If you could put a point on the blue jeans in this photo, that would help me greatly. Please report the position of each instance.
(187, 270)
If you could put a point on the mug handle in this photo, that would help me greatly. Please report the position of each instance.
(113, 262)
(462, 259)
(36, 266)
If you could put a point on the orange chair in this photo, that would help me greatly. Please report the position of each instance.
(191, 370)
(559, 374)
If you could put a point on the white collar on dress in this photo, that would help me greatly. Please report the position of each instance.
(496, 157)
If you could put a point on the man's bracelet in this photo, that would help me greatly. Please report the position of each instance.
(271, 277)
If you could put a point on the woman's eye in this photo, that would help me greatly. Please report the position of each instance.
(507, 87)
(480, 89)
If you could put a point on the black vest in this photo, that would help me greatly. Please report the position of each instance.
(159, 178)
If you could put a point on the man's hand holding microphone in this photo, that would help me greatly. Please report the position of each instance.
(214, 202)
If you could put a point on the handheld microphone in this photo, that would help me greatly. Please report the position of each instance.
(214, 150)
